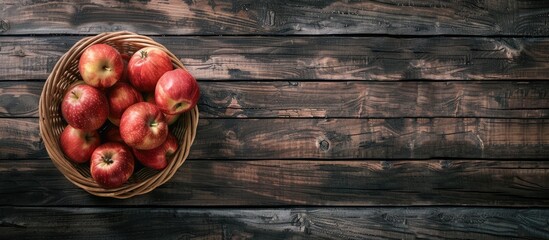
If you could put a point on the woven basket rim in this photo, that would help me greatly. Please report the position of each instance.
(49, 122)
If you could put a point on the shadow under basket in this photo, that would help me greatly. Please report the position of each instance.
(64, 73)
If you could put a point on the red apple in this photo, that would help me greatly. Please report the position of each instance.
(176, 92)
(121, 96)
(77, 144)
(84, 107)
(101, 66)
(112, 164)
(112, 134)
(147, 66)
(170, 118)
(157, 158)
(143, 126)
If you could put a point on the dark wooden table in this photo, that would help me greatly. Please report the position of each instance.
(319, 119)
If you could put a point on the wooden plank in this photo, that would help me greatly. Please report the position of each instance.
(374, 99)
(304, 99)
(410, 138)
(310, 58)
(269, 223)
(302, 182)
(398, 138)
(431, 17)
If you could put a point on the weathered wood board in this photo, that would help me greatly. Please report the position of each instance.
(314, 58)
(343, 138)
(302, 182)
(250, 17)
(287, 223)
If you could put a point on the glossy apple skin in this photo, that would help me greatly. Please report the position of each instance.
(146, 66)
(143, 126)
(112, 164)
(101, 66)
(157, 158)
(120, 97)
(85, 107)
(170, 119)
(78, 145)
(176, 92)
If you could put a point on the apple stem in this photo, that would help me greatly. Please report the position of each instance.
(107, 160)
(143, 54)
(75, 95)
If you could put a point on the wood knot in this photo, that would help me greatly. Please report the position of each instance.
(4, 26)
(386, 165)
(324, 145)
(300, 220)
(445, 164)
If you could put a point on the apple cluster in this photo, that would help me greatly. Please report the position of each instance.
(122, 110)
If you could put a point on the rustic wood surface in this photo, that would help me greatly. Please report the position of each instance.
(390, 119)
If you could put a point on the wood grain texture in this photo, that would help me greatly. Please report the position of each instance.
(375, 119)
(20, 137)
(374, 99)
(20, 98)
(395, 17)
(302, 182)
(311, 58)
(414, 138)
(305, 99)
(269, 223)
(398, 138)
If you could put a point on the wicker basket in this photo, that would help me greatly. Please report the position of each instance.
(52, 124)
